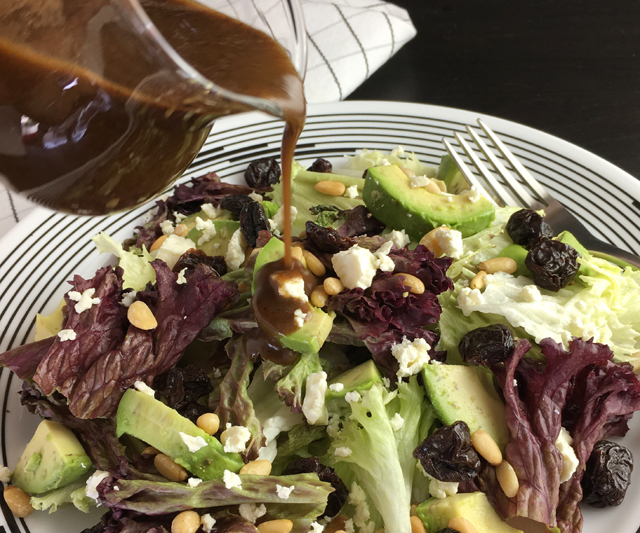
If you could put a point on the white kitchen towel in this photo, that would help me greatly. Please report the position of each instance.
(348, 40)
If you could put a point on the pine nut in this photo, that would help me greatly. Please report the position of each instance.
(298, 244)
(209, 423)
(181, 230)
(416, 525)
(337, 524)
(331, 188)
(433, 188)
(430, 241)
(441, 184)
(296, 253)
(462, 525)
(242, 286)
(276, 526)
(255, 251)
(158, 243)
(415, 284)
(478, 280)
(150, 450)
(259, 467)
(319, 297)
(186, 522)
(141, 316)
(169, 468)
(18, 501)
(333, 286)
(314, 264)
(487, 447)
(508, 479)
(498, 264)
(408, 172)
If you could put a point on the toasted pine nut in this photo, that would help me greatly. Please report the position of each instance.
(181, 230)
(441, 184)
(508, 479)
(487, 447)
(158, 243)
(462, 525)
(314, 264)
(415, 284)
(478, 280)
(333, 286)
(408, 172)
(150, 450)
(169, 468)
(337, 524)
(319, 296)
(242, 286)
(259, 467)
(141, 316)
(498, 264)
(186, 522)
(430, 241)
(416, 525)
(331, 188)
(209, 423)
(413, 511)
(276, 526)
(298, 244)
(296, 253)
(18, 501)
(432, 187)
(255, 251)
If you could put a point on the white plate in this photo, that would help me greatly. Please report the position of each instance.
(46, 249)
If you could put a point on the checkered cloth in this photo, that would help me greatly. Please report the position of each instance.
(348, 40)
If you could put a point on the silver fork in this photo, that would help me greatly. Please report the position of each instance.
(558, 217)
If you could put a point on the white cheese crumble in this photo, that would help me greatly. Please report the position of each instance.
(92, 483)
(181, 277)
(419, 181)
(193, 443)
(397, 422)
(355, 267)
(85, 300)
(293, 288)
(5, 474)
(211, 211)
(235, 251)
(231, 480)
(442, 489)
(348, 526)
(251, 511)
(207, 521)
(316, 528)
(284, 492)
(468, 298)
(143, 387)
(273, 227)
(278, 218)
(569, 459)
(397, 151)
(351, 192)
(383, 261)
(531, 294)
(336, 387)
(283, 420)
(333, 429)
(358, 499)
(128, 298)
(255, 196)
(298, 317)
(450, 240)
(383, 163)
(473, 195)
(399, 238)
(313, 406)
(237, 439)
(167, 227)
(179, 217)
(193, 482)
(343, 451)
(67, 335)
(208, 229)
(172, 248)
(411, 356)
(386, 382)
(352, 396)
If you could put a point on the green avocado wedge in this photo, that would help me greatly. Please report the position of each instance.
(389, 196)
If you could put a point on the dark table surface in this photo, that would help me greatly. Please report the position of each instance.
(570, 68)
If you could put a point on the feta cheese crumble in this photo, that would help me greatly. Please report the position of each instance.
(237, 438)
(235, 251)
(419, 181)
(442, 489)
(292, 288)
(531, 294)
(358, 499)
(473, 195)
(172, 248)
(231, 480)
(284, 492)
(255, 196)
(383, 261)
(399, 238)
(143, 387)
(193, 443)
(351, 192)
(569, 458)
(336, 387)
(343, 451)
(411, 356)
(313, 406)
(167, 227)
(193, 482)
(316, 528)
(208, 229)
(468, 298)
(128, 298)
(348, 526)
(397, 422)
(85, 300)
(207, 522)
(5, 474)
(211, 211)
(298, 317)
(278, 218)
(355, 267)
(181, 277)
(450, 240)
(67, 335)
(352, 396)
(92, 483)
(251, 511)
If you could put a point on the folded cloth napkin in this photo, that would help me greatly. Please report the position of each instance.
(348, 40)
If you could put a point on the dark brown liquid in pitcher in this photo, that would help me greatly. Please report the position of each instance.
(112, 137)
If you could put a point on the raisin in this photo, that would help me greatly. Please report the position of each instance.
(181, 386)
(448, 455)
(607, 475)
(553, 264)
(193, 257)
(487, 346)
(253, 219)
(321, 165)
(193, 411)
(337, 498)
(327, 240)
(262, 173)
(235, 203)
(526, 227)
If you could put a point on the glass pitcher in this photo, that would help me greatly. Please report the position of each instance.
(104, 103)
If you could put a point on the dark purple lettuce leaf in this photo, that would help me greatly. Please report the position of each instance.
(24, 360)
(359, 221)
(235, 405)
(423, 264)
(146, 235)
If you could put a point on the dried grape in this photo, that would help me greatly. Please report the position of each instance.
(262, 173)
(553, 264)
(235, 203)
(607, 475)
(526, 227)
(253, 219)
(320, 165)
(327, 240)
(487, 346)
(194, 257)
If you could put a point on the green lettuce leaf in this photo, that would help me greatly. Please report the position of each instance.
(74, 493)
(291, 387)
(135, 263)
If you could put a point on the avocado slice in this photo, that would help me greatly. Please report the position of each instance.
(450, 174)
(49, 325)
(53, 458)
(360, 378)
(518, 254)
(218, 244)
(270, 208)
(390, 198)
(436, 513)
(142, 416)
(466, 393)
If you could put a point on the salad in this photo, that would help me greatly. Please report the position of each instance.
(438, 364)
